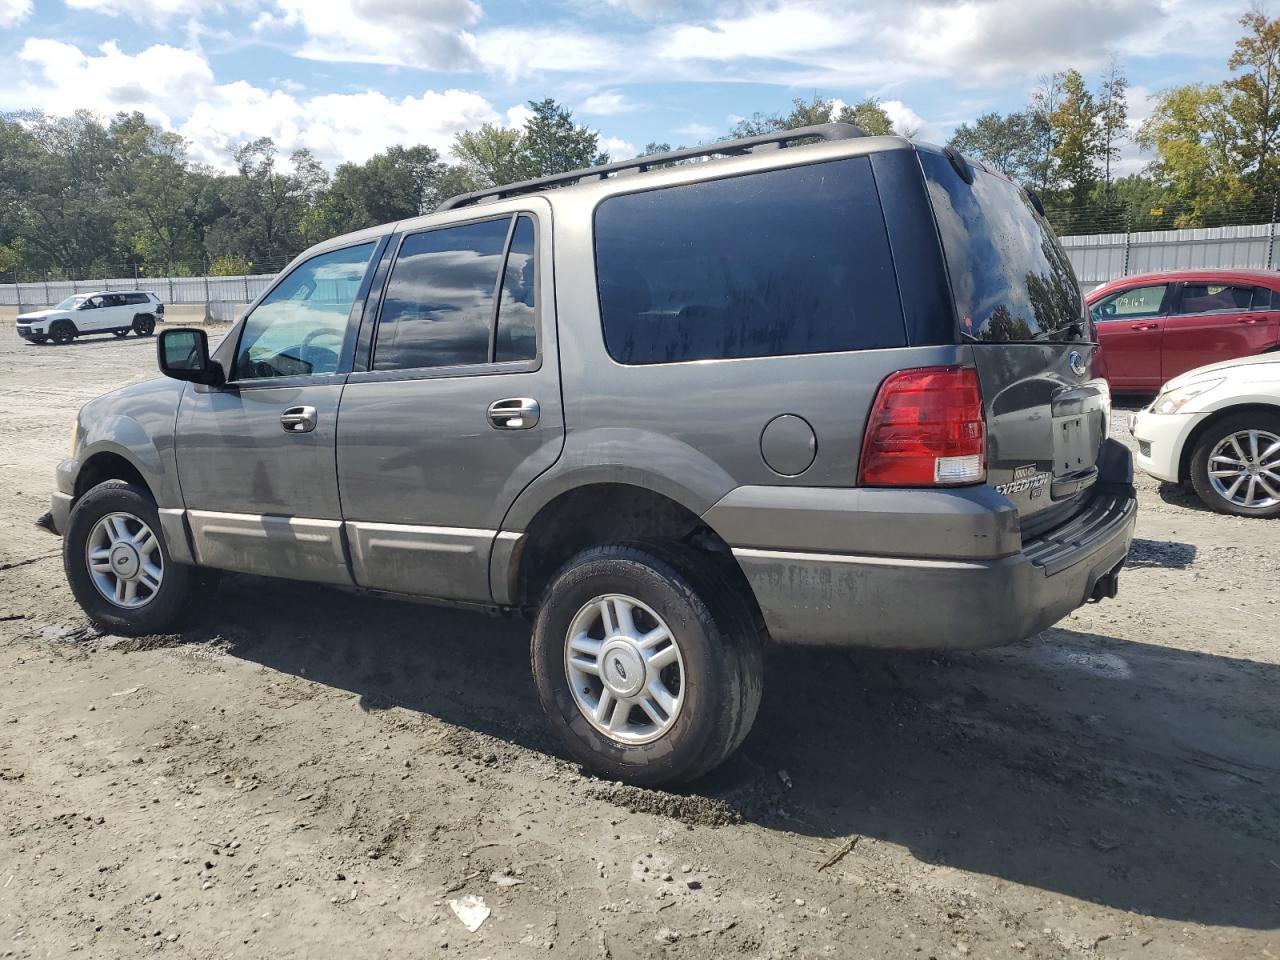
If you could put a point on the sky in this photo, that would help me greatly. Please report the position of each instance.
(348, 78)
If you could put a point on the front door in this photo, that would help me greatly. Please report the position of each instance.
(1214, 322)
(1130, 324)
(458, 408)
(256, 457)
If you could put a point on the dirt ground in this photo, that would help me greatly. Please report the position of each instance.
(309, 773)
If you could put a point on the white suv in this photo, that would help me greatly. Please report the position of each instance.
(83, 313)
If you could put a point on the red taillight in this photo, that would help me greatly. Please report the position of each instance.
(926, 429)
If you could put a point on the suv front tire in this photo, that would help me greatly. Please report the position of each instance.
(118, 563)
(647, 662)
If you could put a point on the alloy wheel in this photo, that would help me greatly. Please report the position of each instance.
(1244, 468)
(624, 668)
(125, 562)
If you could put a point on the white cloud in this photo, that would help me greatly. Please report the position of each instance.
(176, 89)
(618, 149)
(903, 118)
(607, 104)
(517, 52)
(13, 12)
(699, 131)
(425, 34)
(146, 11)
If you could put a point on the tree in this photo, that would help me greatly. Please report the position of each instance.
(1113, 108)
(490, 155)
(1045, 101)
(1192, 134)
(870, 117)
(1254, 102)
(551, 142)
(403, 182)
(1077, 143)
(1006, 143)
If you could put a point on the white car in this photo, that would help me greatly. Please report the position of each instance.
(106, 312)
(1218, 428)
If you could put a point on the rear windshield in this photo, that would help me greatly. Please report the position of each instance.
(1011, 279)
(790, 261)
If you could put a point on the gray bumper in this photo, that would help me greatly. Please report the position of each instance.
(834, 600)
(64, 478)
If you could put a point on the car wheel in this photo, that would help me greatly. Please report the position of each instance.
(144, 324)
(118, 563)
(121, 333)
(647, 662)
(1235, 467)
(63, 331)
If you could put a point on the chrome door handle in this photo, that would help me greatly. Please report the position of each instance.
(516, 413)
(298, 419)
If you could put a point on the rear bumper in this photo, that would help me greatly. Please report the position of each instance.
(918, 602)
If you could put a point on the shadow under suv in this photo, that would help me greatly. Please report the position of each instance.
(838, 393)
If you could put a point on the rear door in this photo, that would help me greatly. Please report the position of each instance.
(1130, 327)
(1216, 321)
(457, 407)
(1020, 308)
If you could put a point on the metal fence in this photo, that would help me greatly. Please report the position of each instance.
(1100, 257)
(170, 289)
(1096, 258)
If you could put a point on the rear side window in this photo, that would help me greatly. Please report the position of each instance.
(517, 336)
(790, 261)
(1222, 298)
(1011, 279)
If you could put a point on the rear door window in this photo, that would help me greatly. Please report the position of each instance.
(1215, 298)
(791, 261)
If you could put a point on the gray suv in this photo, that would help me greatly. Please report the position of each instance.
(677, 409)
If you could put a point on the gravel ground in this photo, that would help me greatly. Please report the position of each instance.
(311, 773)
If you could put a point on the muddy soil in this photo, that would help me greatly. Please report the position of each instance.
(308, 773)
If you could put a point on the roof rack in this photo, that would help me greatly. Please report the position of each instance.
(742, 147)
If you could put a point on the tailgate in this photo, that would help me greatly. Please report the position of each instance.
(1046, 422)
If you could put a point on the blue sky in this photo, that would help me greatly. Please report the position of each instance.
(347, 78)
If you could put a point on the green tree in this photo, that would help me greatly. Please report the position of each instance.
(551, 142)
(1192, 135)
(1077, 142)
(266, 204)
(490, 155)
(1254, 103)
(1113, 117)
(1007, 143)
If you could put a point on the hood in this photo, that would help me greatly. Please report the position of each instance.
(38, 315)
(1226, 366)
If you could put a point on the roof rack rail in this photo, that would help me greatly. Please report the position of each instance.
(742, 147)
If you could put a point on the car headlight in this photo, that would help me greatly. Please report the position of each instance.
(1171, 401)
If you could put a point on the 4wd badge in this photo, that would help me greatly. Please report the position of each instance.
(1025, 479)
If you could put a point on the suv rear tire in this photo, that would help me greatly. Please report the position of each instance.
(1223, 493)
(144, 324)
(62, 332)
(688, 698)
(118, 563)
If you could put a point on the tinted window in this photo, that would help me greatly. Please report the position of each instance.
(1137, 302)
(1011, 279)
(785, 262)
(299, 327)
(438, 308)
(1214, 298)
(1261, 298)
(517, 337)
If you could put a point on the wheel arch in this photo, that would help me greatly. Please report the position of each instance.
(106, 465)
(598, 513)
(1203, 427)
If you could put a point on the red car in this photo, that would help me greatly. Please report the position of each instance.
(1155, 326)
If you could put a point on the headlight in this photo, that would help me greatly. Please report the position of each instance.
(1171, 401)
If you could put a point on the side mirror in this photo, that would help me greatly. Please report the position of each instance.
(184, 355)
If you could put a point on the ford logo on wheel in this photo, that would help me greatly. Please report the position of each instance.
(1076, 362)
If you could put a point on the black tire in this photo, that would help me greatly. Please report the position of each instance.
(1209, 440)
(719, 643)
(62, 332)
(144, 324)
(179, 585)
(121, 333)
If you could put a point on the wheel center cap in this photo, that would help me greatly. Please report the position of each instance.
(124, 561)
(622, 668)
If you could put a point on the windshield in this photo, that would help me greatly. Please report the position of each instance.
(72, 302)
(1011, 279)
